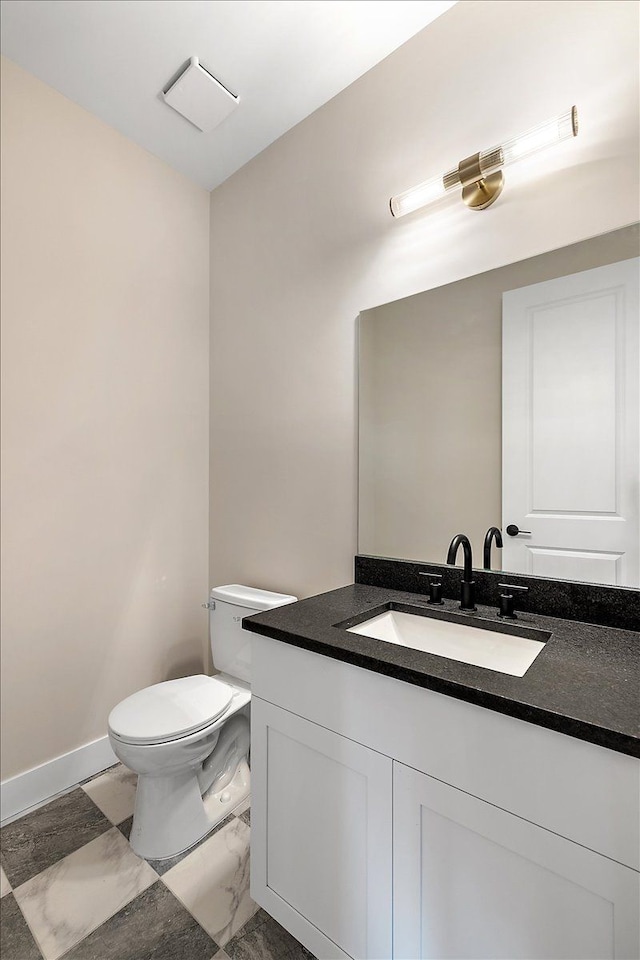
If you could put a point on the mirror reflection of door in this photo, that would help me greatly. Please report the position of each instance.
(571, 427)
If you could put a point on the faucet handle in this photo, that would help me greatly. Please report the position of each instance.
(507, 600)
(435, 586)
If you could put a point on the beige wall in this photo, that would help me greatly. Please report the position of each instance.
(302, 241)
(105, 425)
(430, 410)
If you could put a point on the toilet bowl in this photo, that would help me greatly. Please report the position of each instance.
(189, 739)
(176, 768)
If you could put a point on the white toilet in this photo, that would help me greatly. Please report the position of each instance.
(188, 737)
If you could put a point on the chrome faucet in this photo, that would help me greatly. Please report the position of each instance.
(467, 585)
(493, 533)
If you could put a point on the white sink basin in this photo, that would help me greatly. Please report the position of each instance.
(507, 652)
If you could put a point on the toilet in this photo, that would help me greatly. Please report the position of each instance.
(189, 739)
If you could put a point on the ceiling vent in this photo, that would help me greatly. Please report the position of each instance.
(199, 97)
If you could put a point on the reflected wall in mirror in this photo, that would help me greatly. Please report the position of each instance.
(509, 399)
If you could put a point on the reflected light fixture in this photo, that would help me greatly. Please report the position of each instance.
(480, 175)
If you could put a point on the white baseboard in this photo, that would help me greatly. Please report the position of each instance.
(33, 787)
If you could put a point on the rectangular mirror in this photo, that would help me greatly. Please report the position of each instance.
(509, 399)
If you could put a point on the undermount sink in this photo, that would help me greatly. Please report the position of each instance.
(496, 646)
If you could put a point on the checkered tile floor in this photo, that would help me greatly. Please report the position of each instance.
(72, 887)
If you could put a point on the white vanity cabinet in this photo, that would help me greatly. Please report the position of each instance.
(472, 880)
(390, 822)
(321, 821)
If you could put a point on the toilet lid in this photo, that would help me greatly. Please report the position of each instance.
(169, 710)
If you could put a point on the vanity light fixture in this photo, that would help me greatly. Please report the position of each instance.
(480, 175)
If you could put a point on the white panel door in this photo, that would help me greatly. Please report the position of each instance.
(571, 425)
(321, 835)
(473, 881)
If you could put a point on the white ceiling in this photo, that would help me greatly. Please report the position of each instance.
(284, 58)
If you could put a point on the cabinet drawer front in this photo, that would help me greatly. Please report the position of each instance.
(321, 833)
(581, 791)
(471, 880)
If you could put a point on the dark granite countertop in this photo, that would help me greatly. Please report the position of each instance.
(585, 683)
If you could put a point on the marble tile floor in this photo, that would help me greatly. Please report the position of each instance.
(71, 887)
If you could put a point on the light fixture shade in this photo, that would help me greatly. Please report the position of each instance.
(544, 135)
(420, 196)
(537, 138)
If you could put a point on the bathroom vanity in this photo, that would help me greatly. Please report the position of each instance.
(408, 805)
(431, 788)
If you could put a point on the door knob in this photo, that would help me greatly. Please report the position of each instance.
(514, 530)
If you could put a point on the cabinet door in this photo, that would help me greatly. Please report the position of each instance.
(321, 825)
(473, 881)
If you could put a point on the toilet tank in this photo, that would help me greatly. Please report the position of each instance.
(230, 644)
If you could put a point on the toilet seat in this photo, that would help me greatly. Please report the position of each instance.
(170, 710)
